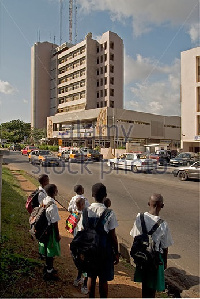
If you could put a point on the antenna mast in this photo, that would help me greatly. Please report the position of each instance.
(61, 12)
(70, 19)
(75, 21)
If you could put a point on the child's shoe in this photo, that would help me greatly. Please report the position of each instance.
(77, 281)
(84, 290)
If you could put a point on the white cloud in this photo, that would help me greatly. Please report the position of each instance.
(6, 87)
(161, 96)
(145, 13)
(194, 32)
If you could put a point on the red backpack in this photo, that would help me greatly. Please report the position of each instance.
(32, 201)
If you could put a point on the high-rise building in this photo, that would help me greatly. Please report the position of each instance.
(70, 78)
(190, 100)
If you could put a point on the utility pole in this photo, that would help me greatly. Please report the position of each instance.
(70, 19)
(61, 11)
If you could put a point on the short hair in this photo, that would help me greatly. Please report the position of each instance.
(50, 189)
(99, 191)
(156, 197)
(78, 189)
(42, 178)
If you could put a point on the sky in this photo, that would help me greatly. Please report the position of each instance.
(154, 33)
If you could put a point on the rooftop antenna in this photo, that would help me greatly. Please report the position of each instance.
(61, 9)
(75, 21)
(70, 19)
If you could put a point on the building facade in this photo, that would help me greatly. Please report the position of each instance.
(190, 100)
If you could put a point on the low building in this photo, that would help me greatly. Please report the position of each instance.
(112, 127)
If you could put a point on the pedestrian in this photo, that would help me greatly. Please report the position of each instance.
(152, 278)
(79, 190)
(80, 205)
(104, 267)
(51, 247)
(43, 179)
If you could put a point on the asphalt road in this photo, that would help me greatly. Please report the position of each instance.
(129, 193)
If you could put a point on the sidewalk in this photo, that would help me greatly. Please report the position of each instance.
(121, 287)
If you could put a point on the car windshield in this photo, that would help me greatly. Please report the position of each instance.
(32, 147)
(130, 157)
(44, 153)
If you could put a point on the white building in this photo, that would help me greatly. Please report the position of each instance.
(190, 100)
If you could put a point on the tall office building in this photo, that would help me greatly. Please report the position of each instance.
(190, 100)
(70, 78)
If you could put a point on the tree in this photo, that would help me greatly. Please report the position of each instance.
(15, 130)
(37, 134)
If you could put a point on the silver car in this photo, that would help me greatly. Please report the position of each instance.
(188, 172)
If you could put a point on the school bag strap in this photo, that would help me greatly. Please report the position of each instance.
(85, 218)
(154, 228)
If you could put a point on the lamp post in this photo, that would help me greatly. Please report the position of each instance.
(114, 132)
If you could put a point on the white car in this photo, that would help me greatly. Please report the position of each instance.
(188, 172)
(133, 161)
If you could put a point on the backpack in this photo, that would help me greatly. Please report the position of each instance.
(72, 221)
(40, 229)
(143, 249)
(32, 201)
(86, 247)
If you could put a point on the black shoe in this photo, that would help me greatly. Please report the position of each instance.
(50, 276)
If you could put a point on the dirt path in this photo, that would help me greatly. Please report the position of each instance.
(121, 287)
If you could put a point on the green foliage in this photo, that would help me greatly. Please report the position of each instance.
(53, 148)
(15, 130)
(37, 134)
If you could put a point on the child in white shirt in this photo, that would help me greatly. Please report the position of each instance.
(79, 190)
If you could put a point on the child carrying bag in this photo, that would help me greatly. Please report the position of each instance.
(72, 222)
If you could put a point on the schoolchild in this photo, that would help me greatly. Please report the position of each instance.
(153, 278)
(80, 205)
(43, 179)
(104, 267)
(79, 190)
(52, 247)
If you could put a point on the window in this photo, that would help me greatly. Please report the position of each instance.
(97, 83)
(105, 69)
(101, 47)
(112, 68)
(112, 57)
(105, 80)
(97, 60)
(101, 93)
(97, 94)
(101, 58)
(112, 92)
(97, 49)
(101, 81)
(101, 104)
(105, 57)
(112, 104)
(198, 69)
(105, 45)
(97, 104)
(101, 70)
(112, 80)
(112, 45)
(97, 72)
(105, 92)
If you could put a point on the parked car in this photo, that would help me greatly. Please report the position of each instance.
(92, 154)
(133, 161)
(76, 155)
(163, 157)
(183, 159)
(26, 150)
(44, 157)
(15, 147)
(188, 172)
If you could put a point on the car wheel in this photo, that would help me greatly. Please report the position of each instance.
(182, 176)
(112, 166)
(134, 168)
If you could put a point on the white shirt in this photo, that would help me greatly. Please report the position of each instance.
(52, 211)
(42, 194)
(96, 209)
(72, 204)
(161, 237)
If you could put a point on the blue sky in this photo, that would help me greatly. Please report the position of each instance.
(154, 33)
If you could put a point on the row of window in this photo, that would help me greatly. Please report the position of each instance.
(103, 46)
(72, 66)
(103, 70)
(104, 93)
(71, 108)
(103, 81)
(71, 87)
(103, 58)
(105, 104)
(72, 55)
(72, 76)
(74, 97)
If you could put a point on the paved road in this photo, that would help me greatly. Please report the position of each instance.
(129, 193)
